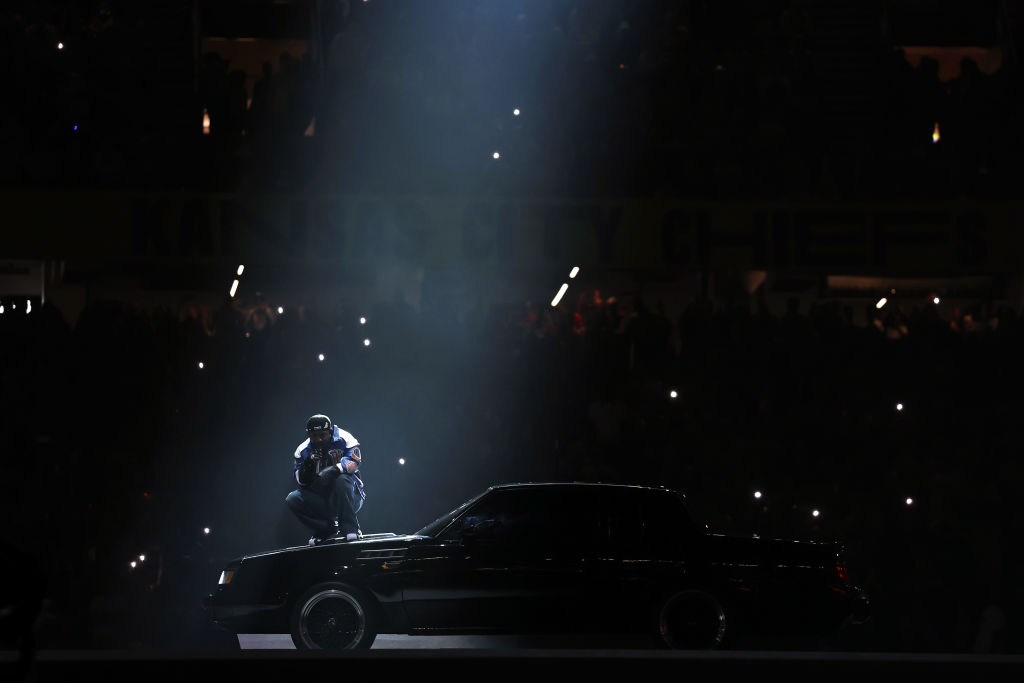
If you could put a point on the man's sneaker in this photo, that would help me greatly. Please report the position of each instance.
(330, 535)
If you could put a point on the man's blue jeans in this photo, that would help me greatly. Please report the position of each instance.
(319, 512)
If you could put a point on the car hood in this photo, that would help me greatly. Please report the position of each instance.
(367, 542)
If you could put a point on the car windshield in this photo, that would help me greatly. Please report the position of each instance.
(441, 522)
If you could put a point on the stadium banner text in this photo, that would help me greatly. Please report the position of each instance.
(442, 232)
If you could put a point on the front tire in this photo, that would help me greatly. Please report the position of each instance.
(333, 616)
(692, 620)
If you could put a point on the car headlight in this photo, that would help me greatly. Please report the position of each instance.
(226, 576)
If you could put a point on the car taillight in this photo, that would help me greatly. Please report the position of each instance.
(841, 573)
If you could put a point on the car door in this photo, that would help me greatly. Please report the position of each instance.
(647, 544)
(513, 562)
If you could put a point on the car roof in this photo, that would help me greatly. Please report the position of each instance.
(529, 484)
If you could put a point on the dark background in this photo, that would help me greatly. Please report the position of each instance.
(116, 444)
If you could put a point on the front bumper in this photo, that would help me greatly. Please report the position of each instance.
(249, 618)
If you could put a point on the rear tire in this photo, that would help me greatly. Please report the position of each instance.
(692, 620)
(333, 616)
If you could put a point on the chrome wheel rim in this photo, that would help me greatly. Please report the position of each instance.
(692, 620)
(332, 620)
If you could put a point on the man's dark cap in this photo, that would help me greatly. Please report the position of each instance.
(318, 423)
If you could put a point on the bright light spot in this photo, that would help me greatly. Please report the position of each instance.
(60, 46)
(206, 530)
(515, 112)
(74, 127)
(1, 309)
(673, 394)
(362, 321)
(142, 558)
(574, 272)
(935, 300)
(496, 155)
(280, 310)
(899, 406)
(881, 302)
(206, 122)
(892, 291)
(561, 293)
(910, 501)
(201, 365)
(320, 357)
(133, 564)
(28, 306)
(815, 513)
(14, 307)
(401, 461)
(239, 271)
(757, 494)
(935, 132)
(234, 288)
(366, 342)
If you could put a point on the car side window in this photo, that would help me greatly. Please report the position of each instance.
(646, 523)
(541, 517)
(499, 515)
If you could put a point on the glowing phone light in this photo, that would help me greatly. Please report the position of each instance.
(561, 293)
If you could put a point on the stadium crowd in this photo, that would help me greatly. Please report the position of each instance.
(123, 443)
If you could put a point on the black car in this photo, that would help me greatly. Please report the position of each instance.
(570, 558)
